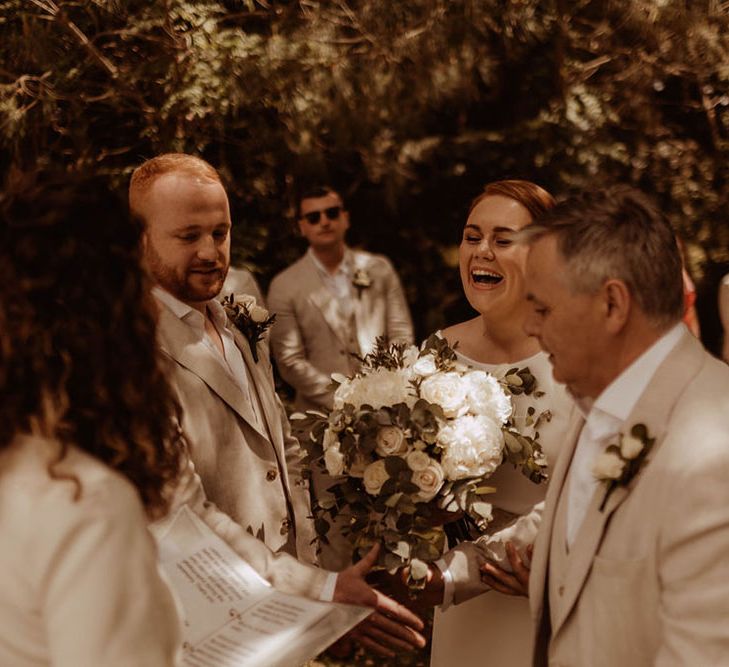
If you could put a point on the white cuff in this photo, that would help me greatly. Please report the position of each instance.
(448, 585)
(327, 591)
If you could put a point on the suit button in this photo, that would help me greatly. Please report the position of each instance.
(285, 525)
(561, 590)
(271, 475)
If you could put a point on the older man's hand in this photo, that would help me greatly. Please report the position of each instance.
(509, 583)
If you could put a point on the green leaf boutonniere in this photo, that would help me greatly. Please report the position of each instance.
(251, 319)
(620, 462)
(361, 280)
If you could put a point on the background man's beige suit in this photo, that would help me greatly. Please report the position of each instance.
(312, 339)
(646, 581)
(251, 471)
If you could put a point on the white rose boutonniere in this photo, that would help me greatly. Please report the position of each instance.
(361, 280)
(622, 461)
(251, 319)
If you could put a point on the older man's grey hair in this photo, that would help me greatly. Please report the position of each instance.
(618, 233)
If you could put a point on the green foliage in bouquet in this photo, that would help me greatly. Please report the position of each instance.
(410, 444)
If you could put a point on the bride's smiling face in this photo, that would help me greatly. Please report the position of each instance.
(492, 264)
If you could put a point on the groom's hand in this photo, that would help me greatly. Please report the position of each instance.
(515, 582)
(391, 627)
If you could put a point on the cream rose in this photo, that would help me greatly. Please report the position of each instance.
(630, 447)
(472, 447)
(425, 366)
(487, 397)
(448, 391)
(429, 481)
(390, 441)
(418, 460)
(247, 301)
(258, 314)
(375, 475)
(380, 387)
(334, 460)
(609, 465)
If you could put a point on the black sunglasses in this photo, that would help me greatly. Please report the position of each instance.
(313, 217)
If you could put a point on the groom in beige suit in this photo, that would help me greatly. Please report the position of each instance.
(238, 433)
(631, 566)
(332, 303)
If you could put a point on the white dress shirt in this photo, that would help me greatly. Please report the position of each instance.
(605, 420)
(338, 283)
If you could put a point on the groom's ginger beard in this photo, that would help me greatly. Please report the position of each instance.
(200, 281)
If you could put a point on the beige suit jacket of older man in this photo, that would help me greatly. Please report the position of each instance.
(646, 581)
(312, 338)
(251, 472)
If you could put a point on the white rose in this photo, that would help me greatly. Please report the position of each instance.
(380, 387)
(258, 314)
(334, 461)
(487, 397)
(329, 440)
(448, 391)
(630, 447)
(375, 475)
(425, 366)
(390, 441)
(428, 481)
(247, 301)
(472, 447)
(418, 460)
(608, 466)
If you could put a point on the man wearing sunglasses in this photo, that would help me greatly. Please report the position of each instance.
(330, 307)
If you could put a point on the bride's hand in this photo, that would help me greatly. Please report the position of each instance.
(509, 583)
(391, 627)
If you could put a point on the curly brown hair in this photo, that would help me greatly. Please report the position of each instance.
(78, 356)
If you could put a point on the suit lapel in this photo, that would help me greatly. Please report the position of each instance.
(364, 317)
(260, 383)
(652, 409)
(321, 298)
(181, 343)
(540, 565)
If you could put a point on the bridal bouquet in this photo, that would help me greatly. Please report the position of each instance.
(413, 438)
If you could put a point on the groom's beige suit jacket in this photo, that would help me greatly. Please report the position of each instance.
(251, 471)
(312, 338)
(646, 581)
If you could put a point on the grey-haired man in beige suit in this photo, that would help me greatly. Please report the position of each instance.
(631, 565)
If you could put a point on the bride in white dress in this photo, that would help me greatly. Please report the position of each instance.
(477, 625)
